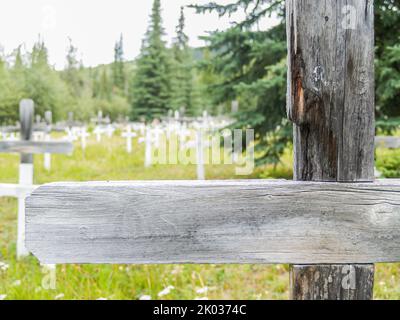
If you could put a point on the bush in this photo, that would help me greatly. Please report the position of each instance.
(388, 162)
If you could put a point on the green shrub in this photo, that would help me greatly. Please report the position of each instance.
(388, 162)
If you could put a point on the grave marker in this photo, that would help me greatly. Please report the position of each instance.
(110, 130)
(331, 223)
(84, 135)
(331, 103)
(129, 134)
(47, 156)
(98, 131)
(26, 147)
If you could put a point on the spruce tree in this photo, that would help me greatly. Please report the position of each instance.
(118, 67)
(183, 95)
(71, 73)
(151, 87)
(104, 86)
(250, 67)
(250, 64)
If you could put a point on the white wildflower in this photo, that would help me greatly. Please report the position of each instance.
(4, 266)
(102, 299)
(144, 297)
(3, 296)
(177, 270)
(202, 290)
(59, 296)
(16, 283)
(166, 291)
(201, 298)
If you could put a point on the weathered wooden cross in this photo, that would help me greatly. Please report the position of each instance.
(332, 223)
(26, 147)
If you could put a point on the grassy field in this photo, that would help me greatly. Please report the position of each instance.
(109, 161)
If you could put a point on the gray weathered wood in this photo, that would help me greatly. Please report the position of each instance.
(332, 282)
(36, 147)
(331, 103)
(387, 142)
(26, 112)
(331, 89)
(330, 100)
(257, 221)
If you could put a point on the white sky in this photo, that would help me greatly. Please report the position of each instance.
(95, 25)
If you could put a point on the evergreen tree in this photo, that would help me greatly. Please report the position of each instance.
(118, 67)
(251, 65)
(19, 63)
(183, 95)
(42, 83)
(39, 55)
(71, 73)
(387, 19)
(104, 86)
(151, 87)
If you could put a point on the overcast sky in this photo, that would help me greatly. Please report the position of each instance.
(95, 25)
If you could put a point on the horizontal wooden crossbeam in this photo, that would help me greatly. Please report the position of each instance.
(15, 190)
(257, 221)
(36, 147)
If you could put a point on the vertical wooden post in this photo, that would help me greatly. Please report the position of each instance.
(26, 112)
(331, 103)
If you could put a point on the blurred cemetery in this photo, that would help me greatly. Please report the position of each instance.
(110, 122)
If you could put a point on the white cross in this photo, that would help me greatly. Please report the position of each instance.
(199, 144)
(84, 134)
(110, 130)
(98, 131)
(71, 136)
(148, 139)
(129, 135)
(47, 156)
(27, 147)
(157, 132)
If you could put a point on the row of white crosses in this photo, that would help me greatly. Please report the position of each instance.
(26, 147)
(9, 136)
(100, 130)
(77, 133)
(103, 125)
(151, 135)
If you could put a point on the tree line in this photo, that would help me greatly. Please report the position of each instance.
(251, 67)
(162, 78)
(243, 63)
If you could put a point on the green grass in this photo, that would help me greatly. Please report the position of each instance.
(109, 161)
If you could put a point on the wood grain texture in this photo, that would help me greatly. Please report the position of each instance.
(331, 103)
(258, 221)
(36, 147)
(331, 88)
(332, 282)
(387, 142)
